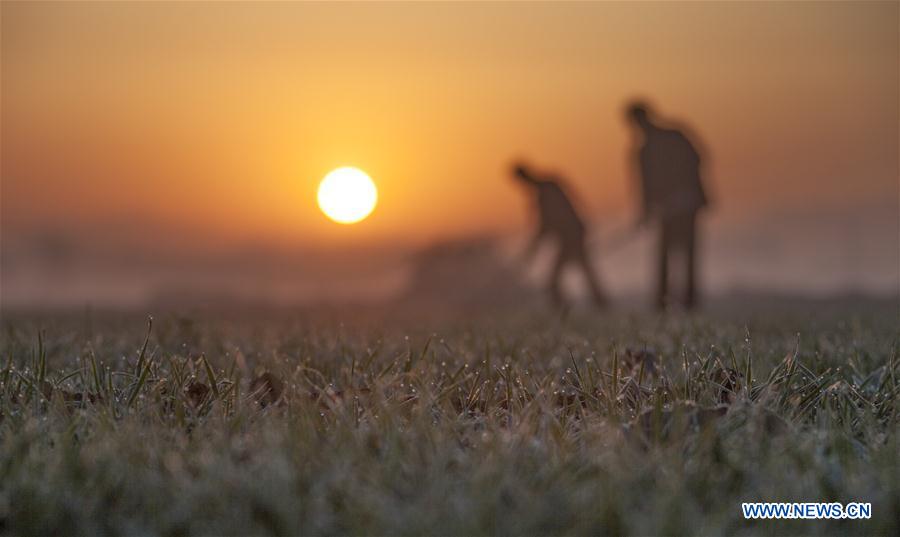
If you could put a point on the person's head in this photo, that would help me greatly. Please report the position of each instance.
(522, 172)
(638, 112)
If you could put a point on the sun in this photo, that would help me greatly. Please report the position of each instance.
(347, 195)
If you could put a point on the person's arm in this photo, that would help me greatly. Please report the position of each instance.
(699, 155)
(640, 190)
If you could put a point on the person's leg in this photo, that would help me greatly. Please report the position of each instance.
(690, 252)
(662, 264)
(584, 260)
(556, 274)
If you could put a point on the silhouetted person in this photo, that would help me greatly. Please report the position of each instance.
(672, 195)
(559, 221)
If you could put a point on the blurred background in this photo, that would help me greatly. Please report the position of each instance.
(169, 154)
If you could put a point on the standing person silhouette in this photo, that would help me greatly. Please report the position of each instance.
(558, 220)
(672, 194)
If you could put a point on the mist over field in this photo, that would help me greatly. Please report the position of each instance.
(798, 256)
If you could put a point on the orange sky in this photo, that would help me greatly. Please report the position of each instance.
(219, 120)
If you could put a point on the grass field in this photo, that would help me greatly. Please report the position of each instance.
(518, 424)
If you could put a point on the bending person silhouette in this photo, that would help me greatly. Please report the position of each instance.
(672, 194)
(558, 220)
